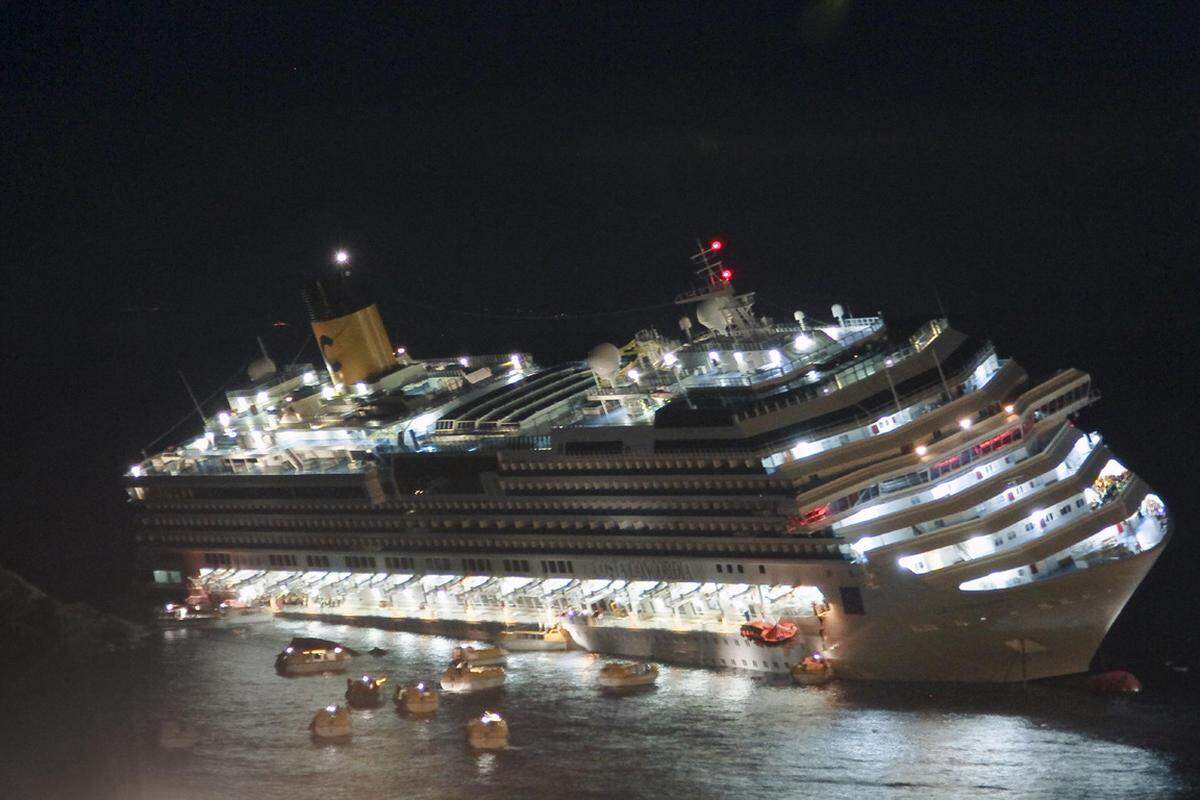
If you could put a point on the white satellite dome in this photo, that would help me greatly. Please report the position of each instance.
(710, 313)
(604, 360)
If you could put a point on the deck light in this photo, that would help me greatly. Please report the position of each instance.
(223, 418)
(136, 470)
(922, 449)
(670, 359)
(634, 375)
(1008, 409)
(965, 423)
(341, 257)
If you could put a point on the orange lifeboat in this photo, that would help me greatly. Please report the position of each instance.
(1115, 682)
(765, 634)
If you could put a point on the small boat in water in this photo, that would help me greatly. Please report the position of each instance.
(488, 732)
(555, 638)
(364, 693)
(307, 656)
(479, 656)
(182, 615)
(172, 735)
(814, 670)
(235, 614)
(462, 677)
(765, 634)
(1117, 681)
(417, 699)
(626, 675)
(331, 724)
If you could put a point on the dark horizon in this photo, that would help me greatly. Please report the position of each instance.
(174, 177)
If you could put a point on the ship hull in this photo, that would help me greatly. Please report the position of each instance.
(1040, 630)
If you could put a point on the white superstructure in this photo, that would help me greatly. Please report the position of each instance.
(910, 500)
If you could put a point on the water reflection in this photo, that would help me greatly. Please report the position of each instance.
(700, 733)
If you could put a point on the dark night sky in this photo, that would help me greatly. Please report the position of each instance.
(172, 175)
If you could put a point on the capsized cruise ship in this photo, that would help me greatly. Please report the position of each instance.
(911, 501)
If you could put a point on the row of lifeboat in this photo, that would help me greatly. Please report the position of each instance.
(471, 669)
(475, 669)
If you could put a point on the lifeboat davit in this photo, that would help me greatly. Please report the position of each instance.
(765, 634)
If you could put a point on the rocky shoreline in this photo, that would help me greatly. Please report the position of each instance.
(36, 623)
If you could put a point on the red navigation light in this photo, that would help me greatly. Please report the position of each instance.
(715, 244)
(727, 274)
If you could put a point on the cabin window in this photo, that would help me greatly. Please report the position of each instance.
(852, 600)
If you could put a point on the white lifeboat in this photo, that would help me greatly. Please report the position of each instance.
(625, 675)
(554, 639)
(305, 656)
(419, 698)
(814, 670)
(461, 677)
(488, 732)
(479, 656)
(331, 724)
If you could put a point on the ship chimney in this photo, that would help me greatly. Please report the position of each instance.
(347, 327)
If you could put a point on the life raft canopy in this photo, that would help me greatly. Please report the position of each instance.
(768, 635)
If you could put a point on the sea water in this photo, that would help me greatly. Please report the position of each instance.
(699, 733)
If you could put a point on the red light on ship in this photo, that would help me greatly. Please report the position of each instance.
(715, 244)
(727, 275)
